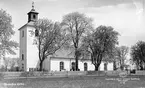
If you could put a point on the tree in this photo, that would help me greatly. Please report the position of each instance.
(100, 45)
(138, 54)
(121, 53)
(49, 38)
(10, 63)
(7, 46)
(76, 25)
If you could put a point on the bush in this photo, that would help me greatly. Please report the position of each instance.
(1, 76)
(24, 74)
(133, 71)
(2, 69)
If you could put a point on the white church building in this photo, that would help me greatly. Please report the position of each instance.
(60, 61)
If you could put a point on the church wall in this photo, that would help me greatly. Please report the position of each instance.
(46, 64)
(102, 66)
(32, 50)
(81, 65)
(90, 66)
(23, 50)
(55, 64)
(110, 66)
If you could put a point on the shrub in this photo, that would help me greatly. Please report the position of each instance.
(1, 76)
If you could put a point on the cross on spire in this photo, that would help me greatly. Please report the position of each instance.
(33, 5)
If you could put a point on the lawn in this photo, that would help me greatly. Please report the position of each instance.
(72, 82)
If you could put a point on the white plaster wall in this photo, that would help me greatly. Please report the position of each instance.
(102, 66)
(55, 65)
(110, 66)
(46, 64)
(23, 44)
(32, 50)
(91, 67)
(81, 65)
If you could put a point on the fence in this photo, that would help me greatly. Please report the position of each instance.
(65, 73)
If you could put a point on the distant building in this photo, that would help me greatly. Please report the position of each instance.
(29, 58)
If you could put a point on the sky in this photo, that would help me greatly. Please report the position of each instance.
(125, 16)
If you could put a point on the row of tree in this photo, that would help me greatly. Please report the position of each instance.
(76, 32)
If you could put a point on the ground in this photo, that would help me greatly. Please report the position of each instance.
(73, 82)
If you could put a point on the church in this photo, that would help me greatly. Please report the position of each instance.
(61, 61)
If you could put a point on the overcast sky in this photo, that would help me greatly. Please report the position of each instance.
(125, 16)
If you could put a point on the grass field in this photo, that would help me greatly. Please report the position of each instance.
(72, 82)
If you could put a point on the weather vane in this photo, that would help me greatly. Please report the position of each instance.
(33, 5)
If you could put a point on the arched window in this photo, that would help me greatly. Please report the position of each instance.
(85, 66)
(22, 67)
(36, 32)
(105, 66)
(73, 66)
(61, 65)
(22, 56)
(34, 16)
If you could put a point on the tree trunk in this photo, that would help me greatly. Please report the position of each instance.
(96, 67)
(141, 67)
(76, 60)
(114, 65)
(76, 64)
(41, 66)
(122, 67)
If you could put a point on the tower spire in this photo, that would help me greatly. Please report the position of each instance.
(32, 4)
(32, 15)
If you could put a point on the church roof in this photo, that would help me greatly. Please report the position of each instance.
(33, 11)
(67, 58)
(70, 58)
(31, 24)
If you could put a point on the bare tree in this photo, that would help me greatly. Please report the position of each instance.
(49, 38)
(100, 45)
(76, 25)
(138, 54)
(121, 53)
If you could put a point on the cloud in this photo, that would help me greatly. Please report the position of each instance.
(122, 18)
(43, 0)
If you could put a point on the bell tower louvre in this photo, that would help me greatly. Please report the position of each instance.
(32, 15)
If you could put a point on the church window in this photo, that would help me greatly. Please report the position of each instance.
(85, 66)
(22, 33)
(22, 56)
(22, 67)
(105, 66)
(61, 65)
(73, 66)
(34, 16)
(36, 32)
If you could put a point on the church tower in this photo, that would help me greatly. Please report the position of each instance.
(28, 53)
